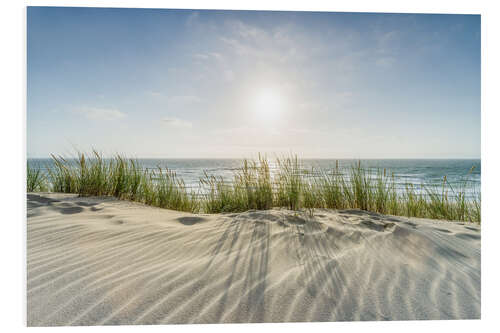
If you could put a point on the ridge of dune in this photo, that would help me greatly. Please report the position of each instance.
(102, 261)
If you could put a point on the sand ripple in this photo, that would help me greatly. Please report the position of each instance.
(100, 261)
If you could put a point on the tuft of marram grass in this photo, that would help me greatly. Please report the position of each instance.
(253, 187)
(119, 177)
(63, 177)
(289, 183)
(330, 188)
(35, 179)
(170, 192)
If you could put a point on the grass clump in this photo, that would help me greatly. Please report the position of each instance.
(361, 188)
(289, 183)
(93, 176)
(222, 196)
(35, 179)
(255, 177)
(250, 189)
(311, 196)
(118, 177)
(331, 188)
(63, 176)
(170, 192)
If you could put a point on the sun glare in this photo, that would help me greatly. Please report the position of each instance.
(268, 103)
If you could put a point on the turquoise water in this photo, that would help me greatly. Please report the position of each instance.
(414, 171)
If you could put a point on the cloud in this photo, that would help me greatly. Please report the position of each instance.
(185, 99)
(385, 62)
(154, 93)
(278, 44)
(207, 56)
(177, 123)
(388, 37)
(99, 113)
(201, 56)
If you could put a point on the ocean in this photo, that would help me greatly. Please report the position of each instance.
(406, 171)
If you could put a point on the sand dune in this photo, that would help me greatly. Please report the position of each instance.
(101, 261)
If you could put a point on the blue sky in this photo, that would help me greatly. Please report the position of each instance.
(184, 83)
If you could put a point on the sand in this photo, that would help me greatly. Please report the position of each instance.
(102, 261)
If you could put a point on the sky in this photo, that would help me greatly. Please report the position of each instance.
(229, 84)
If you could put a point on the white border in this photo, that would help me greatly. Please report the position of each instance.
(427, 6)
(13, 135)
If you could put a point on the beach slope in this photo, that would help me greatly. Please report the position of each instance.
(102, 261)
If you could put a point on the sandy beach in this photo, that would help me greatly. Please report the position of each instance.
(102, 261)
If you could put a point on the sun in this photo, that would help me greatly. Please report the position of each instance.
(268, 103)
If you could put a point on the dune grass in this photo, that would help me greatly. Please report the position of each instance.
(121, 178)
(290, 183)
(251, 188)
(254, 187)
(35, 179)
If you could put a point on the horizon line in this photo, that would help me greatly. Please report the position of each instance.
(302, 158)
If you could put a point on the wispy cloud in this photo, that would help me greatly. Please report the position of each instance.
(154, 93)
(278, 44)
(185, 99)
(387, 39)
(177, 123)
(99, 113)
(176, 99)
(208, 56)
(385, 62)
